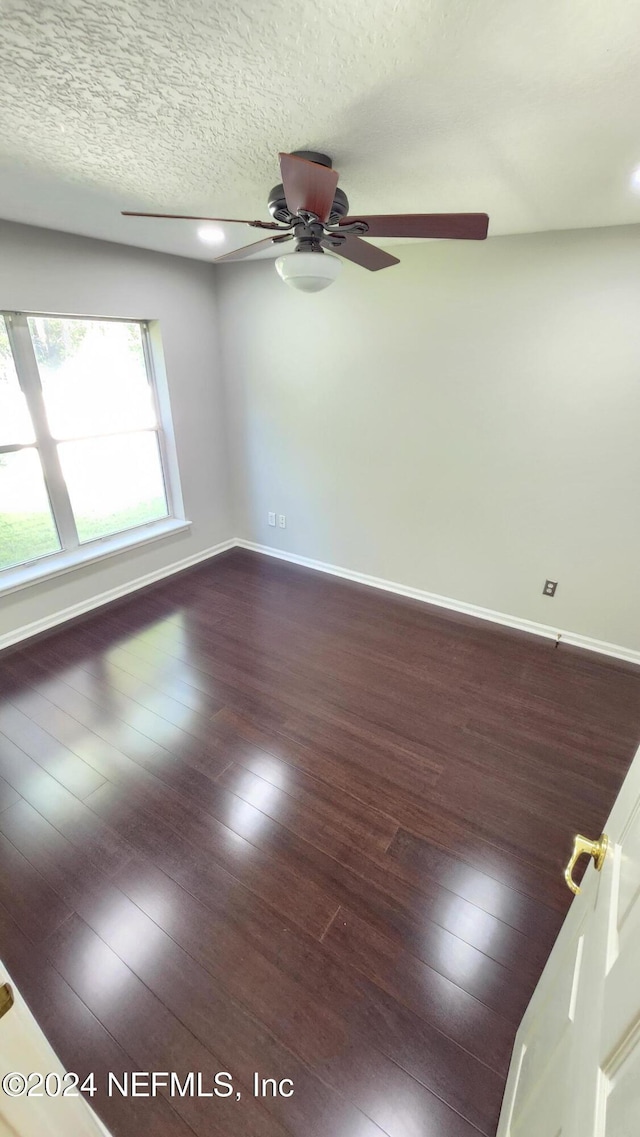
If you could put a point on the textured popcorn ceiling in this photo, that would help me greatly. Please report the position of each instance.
(527, 109)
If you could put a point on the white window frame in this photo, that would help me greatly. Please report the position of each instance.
(74, 554)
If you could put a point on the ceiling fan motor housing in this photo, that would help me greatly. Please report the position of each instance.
(277, 204)
(277, 201)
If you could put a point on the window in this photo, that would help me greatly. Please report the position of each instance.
(82, 453)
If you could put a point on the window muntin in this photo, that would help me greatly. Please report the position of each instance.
(15, 423)
(78, 417)
(27, 528)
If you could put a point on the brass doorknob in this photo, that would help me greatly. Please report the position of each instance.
(583, 846)
(6, 999)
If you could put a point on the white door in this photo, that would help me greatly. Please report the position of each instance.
(575, 1069)
(45, 1111)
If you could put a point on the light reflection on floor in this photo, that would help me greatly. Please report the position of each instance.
(248, 815)
(468, 920)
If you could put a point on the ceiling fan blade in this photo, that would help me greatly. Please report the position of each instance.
(362, 253)
(308, 185)
(187, 217)
(249, 250)
(449, 226)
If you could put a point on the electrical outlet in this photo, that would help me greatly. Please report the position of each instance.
(272, 518)
(282, 521)
(549, 588)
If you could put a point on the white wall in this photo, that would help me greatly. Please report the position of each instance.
(466, 422)
(53, 272)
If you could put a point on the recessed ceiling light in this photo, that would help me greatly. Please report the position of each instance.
(210, 234)
(635, 180)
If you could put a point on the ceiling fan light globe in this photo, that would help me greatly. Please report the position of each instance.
(308, 272)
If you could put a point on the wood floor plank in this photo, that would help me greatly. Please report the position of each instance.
(465, 1083)
(145, 1027)
(367, 773)
(8, 795)
(112, 943)
(154, 909)
(215, 936)
(167, 826)
(417, 893)
(191, 671)
(504, 870)
(151, 988)
(420, 988)
(30, 900)
(325, 877)
(438, 824)
(163, 685)
(364, 819)
(398, 1103)
(305, 810)
(425, 1052)
(507, 904)
(113, 716)
(63, 765)
(70, 816)
(111, 744)
(141, 704)
(87, 1047)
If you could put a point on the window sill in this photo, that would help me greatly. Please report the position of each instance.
(22, 576)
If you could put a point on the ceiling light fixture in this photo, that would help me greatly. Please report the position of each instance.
(307, 270)
(211, 234)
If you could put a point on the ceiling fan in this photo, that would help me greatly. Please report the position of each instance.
(309, 208)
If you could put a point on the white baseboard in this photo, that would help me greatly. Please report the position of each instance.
(630, 655)
(47, 622)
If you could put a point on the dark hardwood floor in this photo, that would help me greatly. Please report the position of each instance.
(257, 819)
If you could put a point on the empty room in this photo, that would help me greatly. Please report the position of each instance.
(319, 550)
